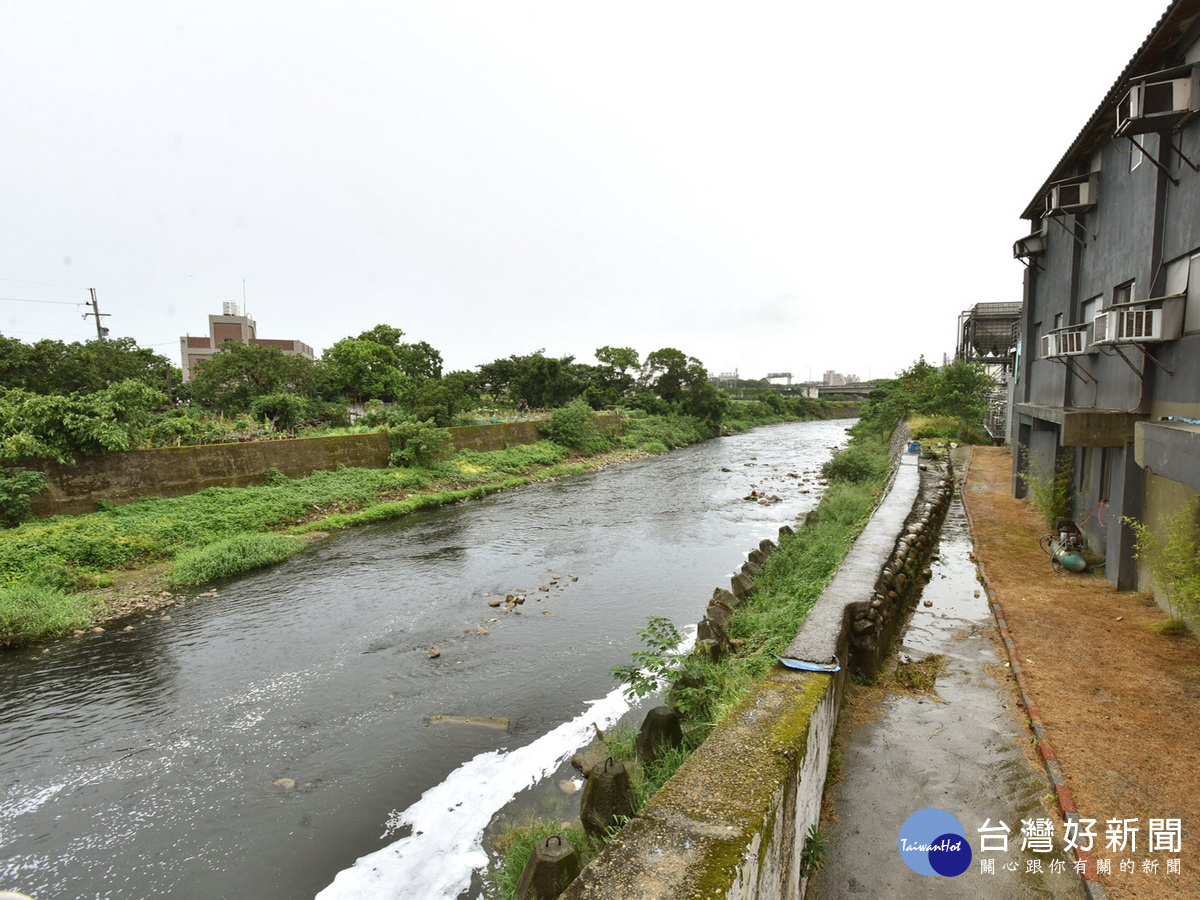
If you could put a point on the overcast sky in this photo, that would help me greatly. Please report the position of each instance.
(767, 186)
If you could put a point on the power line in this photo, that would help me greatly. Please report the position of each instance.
(55, 302)
(68, 334)
(71, 287)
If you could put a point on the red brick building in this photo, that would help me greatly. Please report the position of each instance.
(229, 326)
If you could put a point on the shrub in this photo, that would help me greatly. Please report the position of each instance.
(855, 464)
(574, 427)
(1173, 554)
(17, 486)
(285, 411)
(1050, 489)
(925, 428)
(418, 443)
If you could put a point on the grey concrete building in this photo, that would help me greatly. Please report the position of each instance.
(1107, 377)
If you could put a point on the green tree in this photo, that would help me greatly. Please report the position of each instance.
(670, 373)
(230, 381)
(496, 377)
(419, 361)
(363, 370)
(542, 382)
(607, 383)
(377, 365)
(61, 428)
(54, 367)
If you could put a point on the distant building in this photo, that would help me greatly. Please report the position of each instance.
(229, 326)
(837, 379)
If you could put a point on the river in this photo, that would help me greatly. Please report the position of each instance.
(145, 763)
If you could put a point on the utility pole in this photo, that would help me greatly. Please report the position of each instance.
(101, 333)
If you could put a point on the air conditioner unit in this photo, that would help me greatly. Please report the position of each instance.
(1029, 246)
(1072, 343)
(1072, 196)
(1157, 102)
(1138, 325)
(1139, 322)
(1049, 346)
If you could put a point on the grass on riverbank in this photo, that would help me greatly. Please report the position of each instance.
(50, 569)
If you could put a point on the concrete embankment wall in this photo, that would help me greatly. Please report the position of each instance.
(732, 821)
(175, 471)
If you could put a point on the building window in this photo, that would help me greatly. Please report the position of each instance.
(1058, 321)
(1135, 155)
(1191, 310)
(1089, 309)
(1123, 293)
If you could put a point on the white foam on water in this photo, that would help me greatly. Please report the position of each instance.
(437, 859)
(448, 822)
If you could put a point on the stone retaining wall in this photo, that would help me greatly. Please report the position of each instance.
(731, 823)
(175, 471)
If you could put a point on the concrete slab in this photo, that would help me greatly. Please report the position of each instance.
(819, 636)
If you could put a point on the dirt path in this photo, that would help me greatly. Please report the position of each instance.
(1120, 702)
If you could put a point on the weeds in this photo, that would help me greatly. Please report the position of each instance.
(1173, 554)
(1173, 627)
(921, 676)
(515, 845)
(1050, 488)
(812, 857)
(233, 556)
(35, 611)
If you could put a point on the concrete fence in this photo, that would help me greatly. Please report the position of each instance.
(175, 471)
(733, 821)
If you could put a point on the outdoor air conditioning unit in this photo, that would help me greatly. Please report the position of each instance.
(1158, 102)
(1140, 322)
(1071, 196)
(1049, 346)
(1073, 342)
(1139, 325)
(1029, 246)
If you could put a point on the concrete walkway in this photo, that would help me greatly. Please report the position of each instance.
(960, 749)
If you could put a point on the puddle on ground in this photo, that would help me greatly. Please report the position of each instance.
(958, 748)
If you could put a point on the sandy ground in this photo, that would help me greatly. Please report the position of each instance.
(1120, 702)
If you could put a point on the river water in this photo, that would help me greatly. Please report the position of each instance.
(144, 763)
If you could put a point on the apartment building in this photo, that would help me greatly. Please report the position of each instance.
(230, 326)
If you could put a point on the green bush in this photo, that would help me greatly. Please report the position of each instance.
(668, 431)
(925, 428)
(856, 464)
(1173, 554)
(17, 486)
(420, 444)
(233, 556)
(575, 428)
(285, 411)
(1051, 488)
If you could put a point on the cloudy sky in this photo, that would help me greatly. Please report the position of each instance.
(767, 186)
